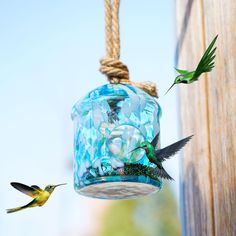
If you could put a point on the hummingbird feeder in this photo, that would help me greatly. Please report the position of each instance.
(109, 123)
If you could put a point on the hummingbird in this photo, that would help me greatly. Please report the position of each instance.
(157, 156)
(40, 196)
(206, 64)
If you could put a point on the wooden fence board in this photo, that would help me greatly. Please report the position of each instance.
(208, 110)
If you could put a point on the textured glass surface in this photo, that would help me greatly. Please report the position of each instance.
(109, 122)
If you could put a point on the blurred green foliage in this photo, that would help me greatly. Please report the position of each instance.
(156, 215)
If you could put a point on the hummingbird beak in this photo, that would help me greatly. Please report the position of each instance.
(170, 88)
(60, 185)
(135, 149)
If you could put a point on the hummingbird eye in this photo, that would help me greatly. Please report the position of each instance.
(178, 79)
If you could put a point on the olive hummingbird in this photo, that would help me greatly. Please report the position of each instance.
(157, 156)
(40, 196)
(206, 64)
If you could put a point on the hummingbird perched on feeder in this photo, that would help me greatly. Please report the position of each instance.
(206, 64)
(157, 156)
(40, 195)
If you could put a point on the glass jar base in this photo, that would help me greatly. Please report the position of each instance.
(127, 187)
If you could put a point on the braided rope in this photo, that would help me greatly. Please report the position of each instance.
(116, 71)
(108, 27)
(116, 29)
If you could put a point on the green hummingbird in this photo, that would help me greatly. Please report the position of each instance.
(157, 156)
(206, 64)
(40, 196)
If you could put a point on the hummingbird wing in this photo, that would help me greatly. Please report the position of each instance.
(33, 203)
(206, 63)
(167, 152)
(36, 187)
(155, 141)
(32, 192)
(182, 72)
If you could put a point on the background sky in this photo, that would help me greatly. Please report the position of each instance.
(49, 58)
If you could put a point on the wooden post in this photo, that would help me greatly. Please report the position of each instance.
(208, 110)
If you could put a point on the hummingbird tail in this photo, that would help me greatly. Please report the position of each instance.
(31, 204)
(163, 174)
(14, 209)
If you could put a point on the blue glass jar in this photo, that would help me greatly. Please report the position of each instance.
(110, 122)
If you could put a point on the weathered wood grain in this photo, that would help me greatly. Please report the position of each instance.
(208, 109)
(220, 18)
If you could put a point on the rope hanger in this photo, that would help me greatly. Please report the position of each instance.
(116, 71)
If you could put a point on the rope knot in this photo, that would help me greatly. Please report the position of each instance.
(118, 73)
(114, 69)
(111, 66)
